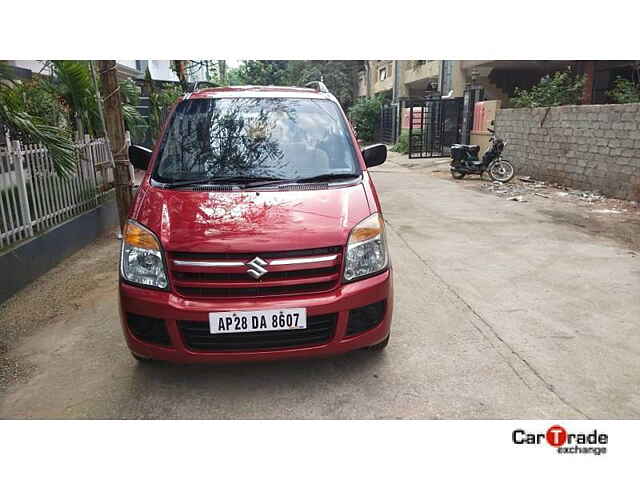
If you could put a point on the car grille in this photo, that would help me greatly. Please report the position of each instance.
(196, 336)
(225, 275)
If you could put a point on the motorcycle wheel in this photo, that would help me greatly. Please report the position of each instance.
(502, 171)
(457, 175)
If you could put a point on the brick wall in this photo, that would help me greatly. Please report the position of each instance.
(590, 147)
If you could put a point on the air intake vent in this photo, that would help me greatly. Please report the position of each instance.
(365, 318)
(320, 330)
(213, 188)
(305, 186)
(148, 329)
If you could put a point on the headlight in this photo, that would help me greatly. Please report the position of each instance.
(366, 249)
(141, 260)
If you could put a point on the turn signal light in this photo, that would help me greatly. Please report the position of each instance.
(140, 237)
(369, 228)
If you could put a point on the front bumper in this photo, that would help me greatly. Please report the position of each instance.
(173, 308)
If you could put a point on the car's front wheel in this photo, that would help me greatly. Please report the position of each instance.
(141, 359)
(378, 347)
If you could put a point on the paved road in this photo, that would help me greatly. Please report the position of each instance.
(502, 311)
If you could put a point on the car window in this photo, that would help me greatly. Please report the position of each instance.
(289, 138)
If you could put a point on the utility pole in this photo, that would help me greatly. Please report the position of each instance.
(114, 125)
(97, 89)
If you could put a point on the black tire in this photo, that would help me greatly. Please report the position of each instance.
(457, 175)
(141, 359)
(378, 347)
(507, 171)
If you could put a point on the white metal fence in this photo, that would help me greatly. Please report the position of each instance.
(34, 198)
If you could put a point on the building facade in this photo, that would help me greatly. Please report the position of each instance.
(400, 79)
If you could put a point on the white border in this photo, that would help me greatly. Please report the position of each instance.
(467, 29)
(305, 450)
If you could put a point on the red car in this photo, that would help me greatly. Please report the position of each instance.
(256, 233)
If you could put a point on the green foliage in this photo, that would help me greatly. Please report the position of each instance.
(130, 92)
(561, 88)
(46, 109)
(263, 72)
(365, 115)
(73, 84)
(134, 121)
(160, 100)
(624, 91)
(402, 145)
(233, 77)
(39, 102)
(34, 128)
(338, 75)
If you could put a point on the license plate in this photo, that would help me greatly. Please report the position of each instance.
(258, 321)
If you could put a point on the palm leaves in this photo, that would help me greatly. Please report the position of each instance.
(71, 87)
(72, 83)
(160, 101)
(12, 113)
(134, 121)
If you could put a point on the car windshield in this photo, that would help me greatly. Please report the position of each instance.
(255, 138)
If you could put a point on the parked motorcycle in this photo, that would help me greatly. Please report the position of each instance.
(465, 160)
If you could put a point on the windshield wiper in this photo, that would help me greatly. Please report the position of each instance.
(327, 176)
(246, 181)
(187, 183)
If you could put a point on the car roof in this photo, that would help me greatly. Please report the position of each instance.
(259, 91)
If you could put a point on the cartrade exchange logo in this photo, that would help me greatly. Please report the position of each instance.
(557, 437)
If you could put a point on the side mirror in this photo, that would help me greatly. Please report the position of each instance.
(139, 156)
(374, 154)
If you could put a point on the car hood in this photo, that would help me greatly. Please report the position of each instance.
(251, 221)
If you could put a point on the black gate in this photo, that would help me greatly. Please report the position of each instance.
(388, 121)
(434, 125)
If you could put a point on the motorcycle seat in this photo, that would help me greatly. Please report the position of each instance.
(471, 148)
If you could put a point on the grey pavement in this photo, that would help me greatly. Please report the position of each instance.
(502, 311)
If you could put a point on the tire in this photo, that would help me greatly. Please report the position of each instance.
(378, 347)
(501, 171)
(457, 175)
(141, 359)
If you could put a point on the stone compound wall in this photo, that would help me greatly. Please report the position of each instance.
(588, 147)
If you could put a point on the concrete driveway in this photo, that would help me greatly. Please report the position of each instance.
(503, 310)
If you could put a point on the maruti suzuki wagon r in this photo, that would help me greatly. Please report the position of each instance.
(256, 233)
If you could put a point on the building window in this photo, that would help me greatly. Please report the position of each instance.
(382, 74)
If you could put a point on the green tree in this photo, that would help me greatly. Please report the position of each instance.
(561, 88)
(72, 82)
(233, 77)
(34, 128)
(160, 100)
(39, 102)
(133, 120)
(365, 115)
(46, 110)
(338, 75)
(263, 72)
(624, 91)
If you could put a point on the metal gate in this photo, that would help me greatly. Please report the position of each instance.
(388, 122)
(434, 125)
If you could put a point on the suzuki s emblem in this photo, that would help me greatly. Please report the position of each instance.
(256, 267)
